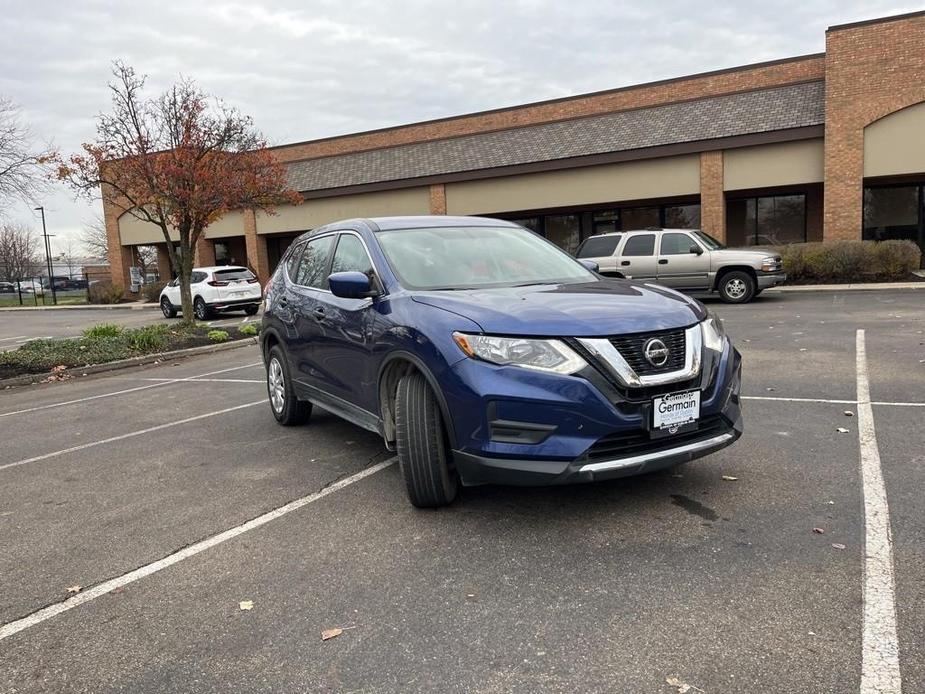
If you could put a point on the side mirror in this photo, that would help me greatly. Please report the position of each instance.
(591, 265)
(696, 250)
(351, 285)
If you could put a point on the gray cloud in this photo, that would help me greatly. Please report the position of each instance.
(313, 69)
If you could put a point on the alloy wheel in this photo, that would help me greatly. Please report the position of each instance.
(735, 288)
(276, 385)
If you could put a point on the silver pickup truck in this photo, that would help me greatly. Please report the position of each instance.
(687, 260)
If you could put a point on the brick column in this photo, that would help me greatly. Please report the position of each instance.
(257, 258)
(712, 197)
(438, 199)
(205, 252)
(163, 263)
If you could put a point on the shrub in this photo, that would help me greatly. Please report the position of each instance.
(151, 338)
(102, 330)
(152, 291)
(849, 261)
(249, 329)
(218, 335)
(105, 292)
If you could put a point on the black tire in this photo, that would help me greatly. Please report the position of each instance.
(201, 310)
(285, 406)
(421, 444)
(737, 287)
(251, 310)
(167, 308)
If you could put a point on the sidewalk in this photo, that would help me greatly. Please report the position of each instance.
(132, 305)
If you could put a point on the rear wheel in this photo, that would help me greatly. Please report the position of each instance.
(251, 310)
(200, 309)
(168, 308)
(736, 287)
(287, 409)
(421, 444)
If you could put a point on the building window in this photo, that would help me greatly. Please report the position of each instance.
(563, 230)
(531, 223)
(893, 213)
(681, 216)
(640, 217)
(222, 253)
(605, 221)
(771, 220)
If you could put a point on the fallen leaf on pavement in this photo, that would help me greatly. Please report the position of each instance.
(819, 531)
(246, 604)
(682, 686)
(73, 589)
(838, 545)
(842, 430)
(729, 478)
(328, 634)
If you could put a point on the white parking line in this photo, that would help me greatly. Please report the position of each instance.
(879, 645)
(836, 402)
(101, 589)
(18, 337)
(195, 379)
(131, 434)
(126, 390)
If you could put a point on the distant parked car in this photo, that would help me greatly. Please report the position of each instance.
(7, 288)
(687, 260)
(214, 289)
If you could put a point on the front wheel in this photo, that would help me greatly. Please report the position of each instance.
(200, 309)
(168, 308)
(421, 444)
(736, 287)
(287, 409)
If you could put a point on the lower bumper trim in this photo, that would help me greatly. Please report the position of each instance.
(632, 461)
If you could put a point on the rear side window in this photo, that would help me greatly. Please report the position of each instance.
(351, 256)
(313, 264)
(197, 277)
(292, 263)
(676, 244)
(599, 246)
(640, 244)
(234, 274)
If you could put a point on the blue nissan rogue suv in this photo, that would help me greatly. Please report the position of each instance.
(484, 354)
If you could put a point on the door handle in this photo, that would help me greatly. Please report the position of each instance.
(663, 261)
(318, 313)
(625, 262)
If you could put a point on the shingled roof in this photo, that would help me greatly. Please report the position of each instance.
(745, 113)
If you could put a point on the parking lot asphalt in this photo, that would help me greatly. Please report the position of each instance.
(18, 327)
(154, 490)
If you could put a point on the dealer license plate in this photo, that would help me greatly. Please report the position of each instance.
(676, 410)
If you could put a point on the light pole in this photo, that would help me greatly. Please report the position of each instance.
(51, 279)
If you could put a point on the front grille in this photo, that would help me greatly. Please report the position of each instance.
(627, 443)
(631, 348)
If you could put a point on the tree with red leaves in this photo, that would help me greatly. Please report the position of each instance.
(179, 161)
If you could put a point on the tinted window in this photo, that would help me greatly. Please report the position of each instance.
(640, 244)
(599, 246)
(473, 257)
(235, 274)
(676, 244)
(197, 277)
(313, 264)
(351, 256)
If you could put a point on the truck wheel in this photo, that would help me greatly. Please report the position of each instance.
(287, 409)
(736, 287)
(421, 445)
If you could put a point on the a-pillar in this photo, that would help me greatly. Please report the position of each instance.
(257, 257)
(712, 198)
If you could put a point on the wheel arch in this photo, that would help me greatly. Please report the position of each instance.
(726, 269)
(391, 371)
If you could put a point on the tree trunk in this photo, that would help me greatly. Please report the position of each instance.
(186, 272)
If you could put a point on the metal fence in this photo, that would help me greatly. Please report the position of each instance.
(73, 288)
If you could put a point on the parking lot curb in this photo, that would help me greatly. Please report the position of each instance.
(135, 306)
(77, 371)
(856, 287)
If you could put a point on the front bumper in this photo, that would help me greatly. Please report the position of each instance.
(771, 279)
(578, 430)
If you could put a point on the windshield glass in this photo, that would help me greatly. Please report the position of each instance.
(475, 257)
(707, 240)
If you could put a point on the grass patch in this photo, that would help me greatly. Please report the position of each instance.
(106, 342)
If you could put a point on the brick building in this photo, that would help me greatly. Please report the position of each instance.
(817, 147)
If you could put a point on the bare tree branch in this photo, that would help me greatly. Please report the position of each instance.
(22, 163)
(18, 254)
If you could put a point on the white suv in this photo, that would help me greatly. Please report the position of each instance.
(226, 287)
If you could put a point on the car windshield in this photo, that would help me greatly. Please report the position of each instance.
(707, 240)
(477, 257)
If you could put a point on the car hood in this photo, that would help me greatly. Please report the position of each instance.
(752, 254)
(604, 307)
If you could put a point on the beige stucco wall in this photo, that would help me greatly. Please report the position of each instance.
(134, 232)
(783, 164)
(635, 180)
(895, 144)
(314, 213)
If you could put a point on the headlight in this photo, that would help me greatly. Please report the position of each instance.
(770, 264)
(714, 334)
(543, 355)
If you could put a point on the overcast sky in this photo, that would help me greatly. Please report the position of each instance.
(306, 68)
